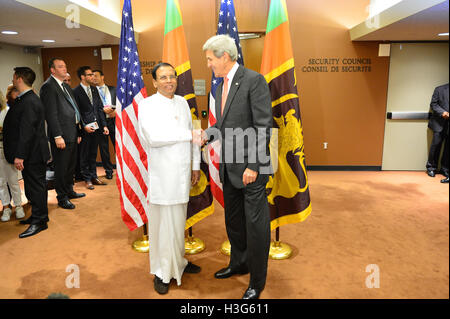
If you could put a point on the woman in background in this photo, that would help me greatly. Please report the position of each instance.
(8, 173)
(11, 95)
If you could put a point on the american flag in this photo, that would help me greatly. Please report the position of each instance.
(131, 159)
(227, 25)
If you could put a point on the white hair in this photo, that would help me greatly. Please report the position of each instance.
(219, 44)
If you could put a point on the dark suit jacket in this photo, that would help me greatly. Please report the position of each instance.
(112, 91)
(248, 111)
(24, 131)
(439, 105)
(59, 112)
(89, 112)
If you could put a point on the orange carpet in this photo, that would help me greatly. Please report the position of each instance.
(398, 221)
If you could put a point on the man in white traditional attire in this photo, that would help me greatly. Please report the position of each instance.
(165, 126)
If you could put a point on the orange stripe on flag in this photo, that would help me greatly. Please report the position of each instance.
(175, 49)
(277, 48)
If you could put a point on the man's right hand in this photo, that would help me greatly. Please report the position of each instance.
(199, 137)
(445, 115)
(60, 143)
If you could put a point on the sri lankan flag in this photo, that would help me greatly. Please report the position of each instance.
(175, 52)
(288, 189)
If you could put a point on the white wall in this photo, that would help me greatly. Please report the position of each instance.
(12, 56)
(415, 70)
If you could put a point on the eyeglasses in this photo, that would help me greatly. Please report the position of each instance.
(89, 74)
(170, 77)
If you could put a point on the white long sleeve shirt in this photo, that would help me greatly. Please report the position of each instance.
(165, 127)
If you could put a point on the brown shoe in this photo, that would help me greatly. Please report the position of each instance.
(89, 185)
(96, 181)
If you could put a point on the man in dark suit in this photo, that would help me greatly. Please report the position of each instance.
(108, 97)
(26, 146)
(439, 124)
(244, 122)
(91, 107)
(64, 130)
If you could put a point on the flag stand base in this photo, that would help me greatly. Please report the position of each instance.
(226, 248)
(141, 246)
(193, 245)
(279, 250)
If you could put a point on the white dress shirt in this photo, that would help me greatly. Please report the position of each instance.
(165, 127)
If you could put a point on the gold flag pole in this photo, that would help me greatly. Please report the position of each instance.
(279, 250)
(142, 246)
(193, 245)
(226, 248)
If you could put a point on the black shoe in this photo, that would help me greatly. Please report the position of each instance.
(160, 287)
(445, 180)
(33, 230)
(109, 175)
(431, 173)
(252, 293)
(192, 269)
(76, 195)
(66, 204)
(228, 272)
(96, 181)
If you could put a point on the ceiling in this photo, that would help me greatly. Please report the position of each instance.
(410, 20)
(35, 25)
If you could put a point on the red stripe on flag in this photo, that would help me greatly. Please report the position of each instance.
(217, 192)
(130, 160)
(129, 126)
(134, 200)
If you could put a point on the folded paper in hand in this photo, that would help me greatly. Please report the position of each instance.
(93, 125)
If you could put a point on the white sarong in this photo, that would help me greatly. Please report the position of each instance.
(166, 225)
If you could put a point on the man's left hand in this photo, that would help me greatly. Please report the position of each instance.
(18, 163)
(105, 131)
(195, 177)
(249, 176)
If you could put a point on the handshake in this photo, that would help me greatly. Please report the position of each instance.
(199, 137)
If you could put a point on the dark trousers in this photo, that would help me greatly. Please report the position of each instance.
(247, 221)
(36, 191)
(103, 144)
(111, 123)
(65, 162)
(78, 164)
(88, 155)
(435, 150)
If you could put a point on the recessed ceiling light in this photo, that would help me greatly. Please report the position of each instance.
(48, 41)
(10, 32)
(443, 34)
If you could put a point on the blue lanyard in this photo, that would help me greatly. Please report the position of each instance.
(103, 96)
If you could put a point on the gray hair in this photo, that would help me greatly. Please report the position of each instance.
(219, 44)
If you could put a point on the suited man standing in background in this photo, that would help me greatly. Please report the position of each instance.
(243, 104)
(108, 97)
(26, 146)
(440, 126)
(91, 107)
(64, 130)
